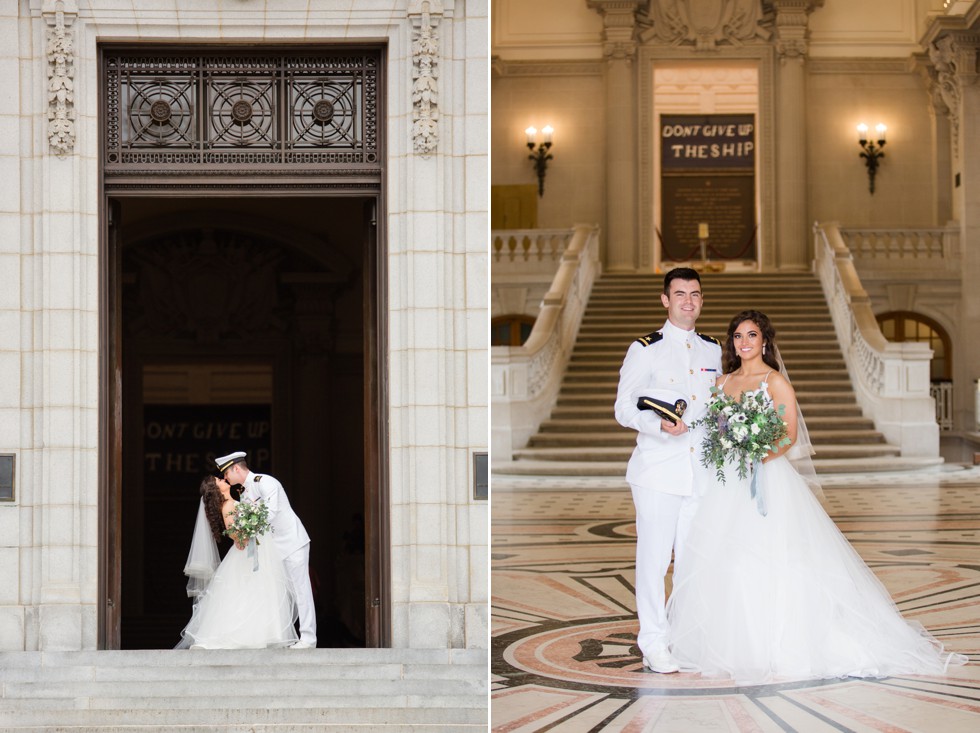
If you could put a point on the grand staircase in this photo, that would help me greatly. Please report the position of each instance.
(582, 436)
(245, 690)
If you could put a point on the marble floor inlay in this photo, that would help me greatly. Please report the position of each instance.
(564, 623)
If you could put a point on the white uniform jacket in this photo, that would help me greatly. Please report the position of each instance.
(287, 531)
(681, 361)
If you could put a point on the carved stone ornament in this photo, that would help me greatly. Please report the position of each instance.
(705, 24)
(61, 76)
(944, 57)
(425, 16)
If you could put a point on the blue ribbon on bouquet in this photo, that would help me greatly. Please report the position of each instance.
(253, 554)
(755, 489)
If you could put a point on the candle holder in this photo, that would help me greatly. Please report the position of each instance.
(871, 153)
(542, 155)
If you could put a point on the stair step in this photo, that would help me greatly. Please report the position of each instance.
(622, 453)
(627, 438)
(617, 469)
(599, 423)
(574, 384)
(274, 690)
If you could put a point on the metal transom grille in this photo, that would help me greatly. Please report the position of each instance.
(180, 111)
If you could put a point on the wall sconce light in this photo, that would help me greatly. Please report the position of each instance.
(870, 152)
(541, 156)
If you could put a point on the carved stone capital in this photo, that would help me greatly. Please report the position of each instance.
(619, 26)
(425, 16)
(792, 19)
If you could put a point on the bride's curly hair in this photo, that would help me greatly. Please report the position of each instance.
(731, 358)
(213, 501)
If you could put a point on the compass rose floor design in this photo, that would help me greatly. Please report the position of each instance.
(564, 654)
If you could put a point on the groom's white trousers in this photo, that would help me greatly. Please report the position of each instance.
(298, 566)
(662, 524)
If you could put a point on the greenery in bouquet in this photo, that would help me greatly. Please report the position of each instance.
(251, 519)
(741, 431)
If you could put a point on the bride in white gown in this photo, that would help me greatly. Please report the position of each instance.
(246, 601)
(782, 595)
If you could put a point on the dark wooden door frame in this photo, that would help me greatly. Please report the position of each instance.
(376, 474)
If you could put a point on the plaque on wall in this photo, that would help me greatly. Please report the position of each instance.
(707, 187)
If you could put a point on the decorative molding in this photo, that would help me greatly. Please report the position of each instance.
(954, 58)
(61, 75)
(862, 66)
(504, 68)
(705, 25)
(425, 16)
(619, 27)
(792, 17)
(265, 112)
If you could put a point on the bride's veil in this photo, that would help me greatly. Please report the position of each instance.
(203, 558)
(801, 452)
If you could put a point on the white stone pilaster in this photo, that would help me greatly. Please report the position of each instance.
(619, 50)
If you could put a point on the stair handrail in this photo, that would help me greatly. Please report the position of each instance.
(891, 380)
(525, 379)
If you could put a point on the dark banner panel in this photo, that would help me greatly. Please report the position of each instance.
(180, 442)
(707, 187)
(707, 141)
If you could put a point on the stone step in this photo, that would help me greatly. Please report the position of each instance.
(800, 376)
(812, 411)
(622, 453)
(574, 384)
(613, 361)
(598, 423)
(627, 438)
(328, 689)
(617, 469)
(608, 397)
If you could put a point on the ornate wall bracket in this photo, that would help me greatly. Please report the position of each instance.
(955, 61)
(60, 49)
(425, 16)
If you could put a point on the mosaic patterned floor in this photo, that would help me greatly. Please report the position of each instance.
(564, 625)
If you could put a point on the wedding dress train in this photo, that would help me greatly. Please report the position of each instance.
(784, 595)
(249, 603)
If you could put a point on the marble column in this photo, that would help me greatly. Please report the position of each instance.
(792, 230)
(619, 50)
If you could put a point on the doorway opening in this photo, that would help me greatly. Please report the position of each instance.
(243, 324)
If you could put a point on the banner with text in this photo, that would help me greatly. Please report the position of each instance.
(696, 142)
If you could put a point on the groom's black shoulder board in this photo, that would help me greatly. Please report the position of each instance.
(710, 339)
(650, 338)
(257, 479)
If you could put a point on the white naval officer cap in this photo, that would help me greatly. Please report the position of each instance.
(226, 462)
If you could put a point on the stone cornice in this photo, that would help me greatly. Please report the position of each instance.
(857, 66)
(558, 67)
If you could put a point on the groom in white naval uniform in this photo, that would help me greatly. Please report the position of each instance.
(288, 532)
(664, 472)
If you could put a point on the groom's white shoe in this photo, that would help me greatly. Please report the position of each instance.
(301, 645)
(661, 661)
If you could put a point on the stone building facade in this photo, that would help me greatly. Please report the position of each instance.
(256, 224)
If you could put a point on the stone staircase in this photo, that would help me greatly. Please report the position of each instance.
(582, 436)
(245, 690)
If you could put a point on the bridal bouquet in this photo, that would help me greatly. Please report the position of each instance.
(251, 520)
(740, 431)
